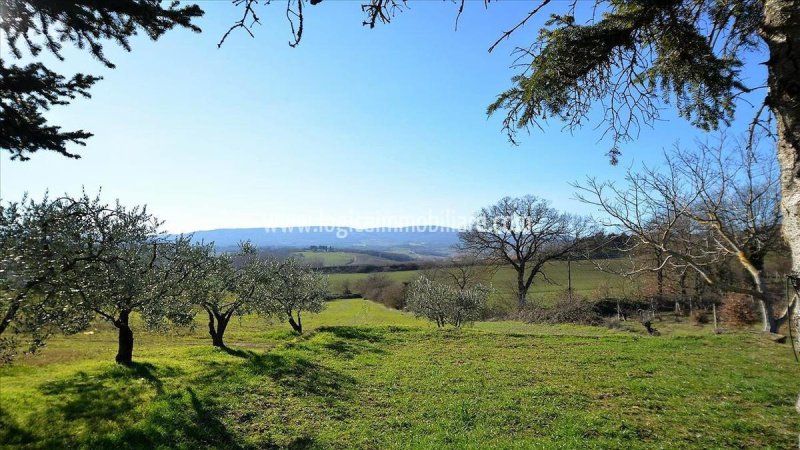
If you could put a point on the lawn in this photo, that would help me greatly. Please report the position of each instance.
(364, 376)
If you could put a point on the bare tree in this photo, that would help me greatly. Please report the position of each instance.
(700, 208)
(462, 272)
(524, 233)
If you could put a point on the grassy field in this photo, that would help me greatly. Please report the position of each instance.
(331, 259)
(368, 377)
(586, 280)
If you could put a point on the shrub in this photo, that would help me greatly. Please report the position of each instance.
(444, 304)
(380, 288)
(394, 295)
(699, 316)
(567, 309)
(738, 310)
(612, 323)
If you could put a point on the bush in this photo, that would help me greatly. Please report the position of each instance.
(445, 304)
(382, 289)
(699, 316)
(567, 309)
(394, 295)
(612, 323)
(738, 310)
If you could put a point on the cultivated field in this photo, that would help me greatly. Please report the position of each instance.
(369, 377)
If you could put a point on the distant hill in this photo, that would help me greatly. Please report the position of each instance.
(422, 240)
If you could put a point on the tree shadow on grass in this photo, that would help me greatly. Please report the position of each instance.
(98, 398)
(181, 419)
(291, 371)
(12, 433)
(122, 407)
(147, 406)
(353, 341)
(354, 333)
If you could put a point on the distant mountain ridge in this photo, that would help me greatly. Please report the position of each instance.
(431, 237)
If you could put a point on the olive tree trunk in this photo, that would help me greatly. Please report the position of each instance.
(217, 324)
(297, 325)
(781, 32)
(125, 341)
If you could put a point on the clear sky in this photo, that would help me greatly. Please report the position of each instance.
(355, 127)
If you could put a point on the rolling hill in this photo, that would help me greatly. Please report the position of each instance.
(429, 239)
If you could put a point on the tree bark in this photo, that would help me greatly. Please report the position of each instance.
(756, 271)
(781, 32)
(684, 297)
(298, 325)
(659, 277)
(767, 316)
(10, 313)
(522, 290)
(125, 341)
(217, 324)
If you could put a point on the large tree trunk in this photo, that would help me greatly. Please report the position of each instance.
(767, 316)
(125, 341)
(659, 277)
(781, 31)
(522, 290)
(217, 324)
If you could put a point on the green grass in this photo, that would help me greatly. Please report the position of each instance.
(336, 280)
(364, 376)
(585, 281)
(330, 259)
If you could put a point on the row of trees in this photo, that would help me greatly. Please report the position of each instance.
(66, 262)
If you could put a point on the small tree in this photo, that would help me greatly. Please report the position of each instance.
(445, 304)
(68, 260)
(287, 288)
(226, 289)
(524, 233)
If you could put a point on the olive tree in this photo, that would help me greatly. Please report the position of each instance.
(215, 294)
(39, 249)
(227, 288)
(445, 304)
(139, 270)
(524, 233)
(287, 288)
(67, 261)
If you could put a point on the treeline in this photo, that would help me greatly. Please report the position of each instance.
(372, 268)
(391, 256)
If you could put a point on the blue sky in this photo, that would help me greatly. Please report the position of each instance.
(355, 127)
